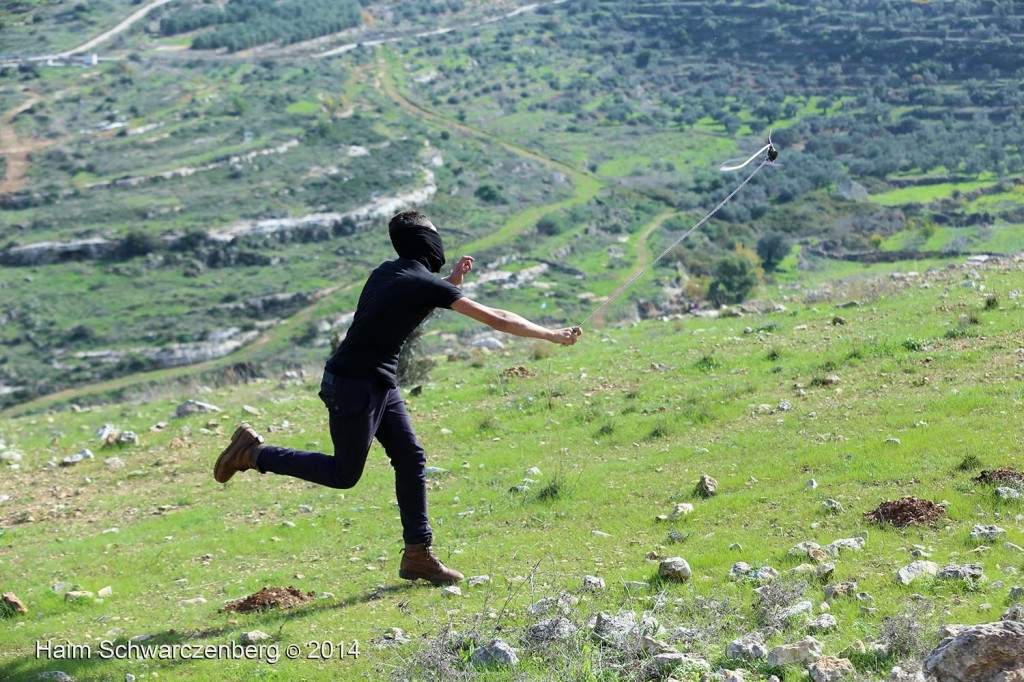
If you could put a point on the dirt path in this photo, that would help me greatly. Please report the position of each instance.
(16, 150)
(587, 186)
(121, 27)
(643, 255)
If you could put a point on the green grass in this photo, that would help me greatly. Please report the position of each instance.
(303, 107)
(620, 440)
(923, 194)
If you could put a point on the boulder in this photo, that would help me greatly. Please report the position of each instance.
(970, 572)
(675, 568)
(915, 570)
(807, 650)
(495, 653)
(748, 647)
(832, 669)
(991, 652)
(10, 603)
(707, 486)
(551, 630)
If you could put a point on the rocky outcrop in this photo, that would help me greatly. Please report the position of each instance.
(992, 652)
(46, 253)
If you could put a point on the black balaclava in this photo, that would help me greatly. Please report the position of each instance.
(419, 244)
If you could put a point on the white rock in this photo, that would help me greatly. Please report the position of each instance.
(190, 407)
(831, 669)
(452, 591)
(987, 533)
(253, 637)
(675, 568)
(915, 570)
(749, 647)
(593, 583)
(475, 580)
(826, 622)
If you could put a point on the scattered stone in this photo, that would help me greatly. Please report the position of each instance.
(127, 438)
(832, 669)
(1013, 548)
(105, 592)
(707, 486)
(748, 647)
(970, 572)
(986, 533)
(811, 485)
(249, 409)
(562, 603)
(1014, 613)
(452, 591)
(1016, 592)
(892, 440)
(52, 676)
(194, 601)
(653, 647)
(681, 509)
(983, 653)
(848, 544)
(739, 570)
(495, 653)
(662, 665)
(807, 650)
(593, 583)
(79, 597)
(824, 572)
(10, 457)
(675, 568)
(912, 572)
(857, 648)
(477, 580)
(804, 548)
(846, 589)
(269, 598)
(826, 622)
(533, 471)
(551, 630)
(613, 630)
(830, 380)
(600, 534)
(9, 603)
(1007, 493)
(114, 463)
(74, 459)
(393, 637)
(253, 637)
(832, 506)
(802, 610)
(190, 407)
(899, 674)
(907, 511)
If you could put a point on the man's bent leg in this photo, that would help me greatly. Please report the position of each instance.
(355, 409)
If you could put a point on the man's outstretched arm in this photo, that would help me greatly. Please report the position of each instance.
(510, 323)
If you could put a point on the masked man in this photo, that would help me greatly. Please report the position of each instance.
(360, 391)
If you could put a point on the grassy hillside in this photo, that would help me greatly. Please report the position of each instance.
(875, 388)
(560, 136)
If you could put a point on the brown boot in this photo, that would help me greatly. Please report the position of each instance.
(419, 561)
(239, 455)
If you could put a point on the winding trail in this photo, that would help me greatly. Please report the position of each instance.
(587, 186)
(124, 25)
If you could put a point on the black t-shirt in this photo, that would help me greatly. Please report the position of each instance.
(396, 298)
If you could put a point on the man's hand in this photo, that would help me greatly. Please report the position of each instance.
(464, 265)
(567, 336)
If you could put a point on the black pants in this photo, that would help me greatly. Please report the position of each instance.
(359, 412)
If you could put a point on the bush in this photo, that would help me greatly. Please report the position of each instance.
(138, 243)
(414, 364)
(734, 277)
(772, 248)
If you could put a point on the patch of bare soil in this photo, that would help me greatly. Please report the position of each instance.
(1009, 477)
(518, 372)
(269, 598)
(908, 511)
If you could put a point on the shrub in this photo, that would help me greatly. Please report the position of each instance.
(414, 364)
(734, 277)
(772, 248)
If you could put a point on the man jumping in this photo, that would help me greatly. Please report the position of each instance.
(360, 387)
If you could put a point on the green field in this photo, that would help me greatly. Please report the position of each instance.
(620, 428)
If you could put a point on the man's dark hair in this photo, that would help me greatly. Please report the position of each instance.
(409, 219)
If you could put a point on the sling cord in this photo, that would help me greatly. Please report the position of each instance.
(770, 157)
